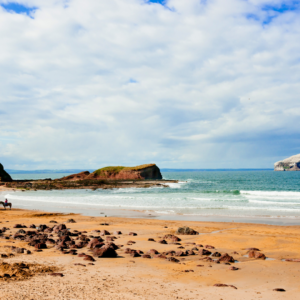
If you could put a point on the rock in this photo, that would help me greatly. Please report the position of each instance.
(71, 221)
(57, 274)
(204, 252)
(94, 242)
(133, 233)
(152, 252)
(146, 256)
(104, 232)
(224, 285)
(172, 259)
(151, 240)
(60, 227)
(18, 226)
(40, 246)
(32, 226)
(89, 258)
(256, 255)
(293, 259)
(162, 242)
(82, 265)
(233, 268)
(279, 290)
(42, 227)
(190, 252)
(117, 232)
(209, 247)
(186, 231)
(216, 254)
(160, 256)
(172, 237)
(254, 249)
(105, 251)
(226, 258)
(4, 176)
(289, 164)
(180, 253)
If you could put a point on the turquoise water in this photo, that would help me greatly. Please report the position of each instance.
(249, 194)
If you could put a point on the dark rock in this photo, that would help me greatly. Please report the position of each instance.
(117, 232)
(152, 252)
(204, 252)
(151, 240)
(146, 256)
(279, 290)
(226, 258)
(160, 256)
(224, 285)
(186, 231)
(256, 255)
(105, 251)
(104, 232)
(40, 246)
(132, 233)
(172, 259)
(216, 254)
(57, 274)
(71, 221)
(89, 258)
(162, 242)
(233, 268)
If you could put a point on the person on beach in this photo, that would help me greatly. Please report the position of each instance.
(5, 203)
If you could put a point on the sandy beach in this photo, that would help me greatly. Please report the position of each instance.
(127, 277)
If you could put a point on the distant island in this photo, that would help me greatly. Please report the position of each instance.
(289, 164)
(144, 172)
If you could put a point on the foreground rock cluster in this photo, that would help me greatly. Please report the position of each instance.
(104, 244)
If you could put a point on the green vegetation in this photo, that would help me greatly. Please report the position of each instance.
(118, 169)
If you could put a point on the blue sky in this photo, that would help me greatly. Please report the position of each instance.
(202, 84)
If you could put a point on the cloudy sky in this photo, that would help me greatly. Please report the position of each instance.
(181, 83)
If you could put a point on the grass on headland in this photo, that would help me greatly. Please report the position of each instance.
(118, 169)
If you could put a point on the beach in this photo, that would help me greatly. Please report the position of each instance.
(127, 277)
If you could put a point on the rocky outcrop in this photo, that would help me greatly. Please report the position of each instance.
(4, 176)
(149, 171)
(289, 164)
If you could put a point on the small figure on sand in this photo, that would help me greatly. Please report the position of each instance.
(6, 203)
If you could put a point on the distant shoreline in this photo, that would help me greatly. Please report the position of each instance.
(72, 171)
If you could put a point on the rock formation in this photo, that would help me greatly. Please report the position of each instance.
(149, 171)
(289, 164)
(4, 176)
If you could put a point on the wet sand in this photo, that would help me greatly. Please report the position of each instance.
(126, 277)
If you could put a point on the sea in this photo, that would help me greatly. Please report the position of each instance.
(262, 196)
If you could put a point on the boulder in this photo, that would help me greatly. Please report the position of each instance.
(105, 251)
(226, 258)
(186, 231)
(204, 252)
(256, 255)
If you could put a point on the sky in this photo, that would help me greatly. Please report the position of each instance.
(183, 84)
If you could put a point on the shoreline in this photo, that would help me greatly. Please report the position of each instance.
(98, 210)
(128, 277)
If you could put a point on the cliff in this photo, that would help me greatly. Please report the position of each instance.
(149, 171)
(4, 176)
(289, 164)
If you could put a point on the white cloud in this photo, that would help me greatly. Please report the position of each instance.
(214, 86)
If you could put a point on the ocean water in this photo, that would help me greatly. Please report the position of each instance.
(214, 194)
